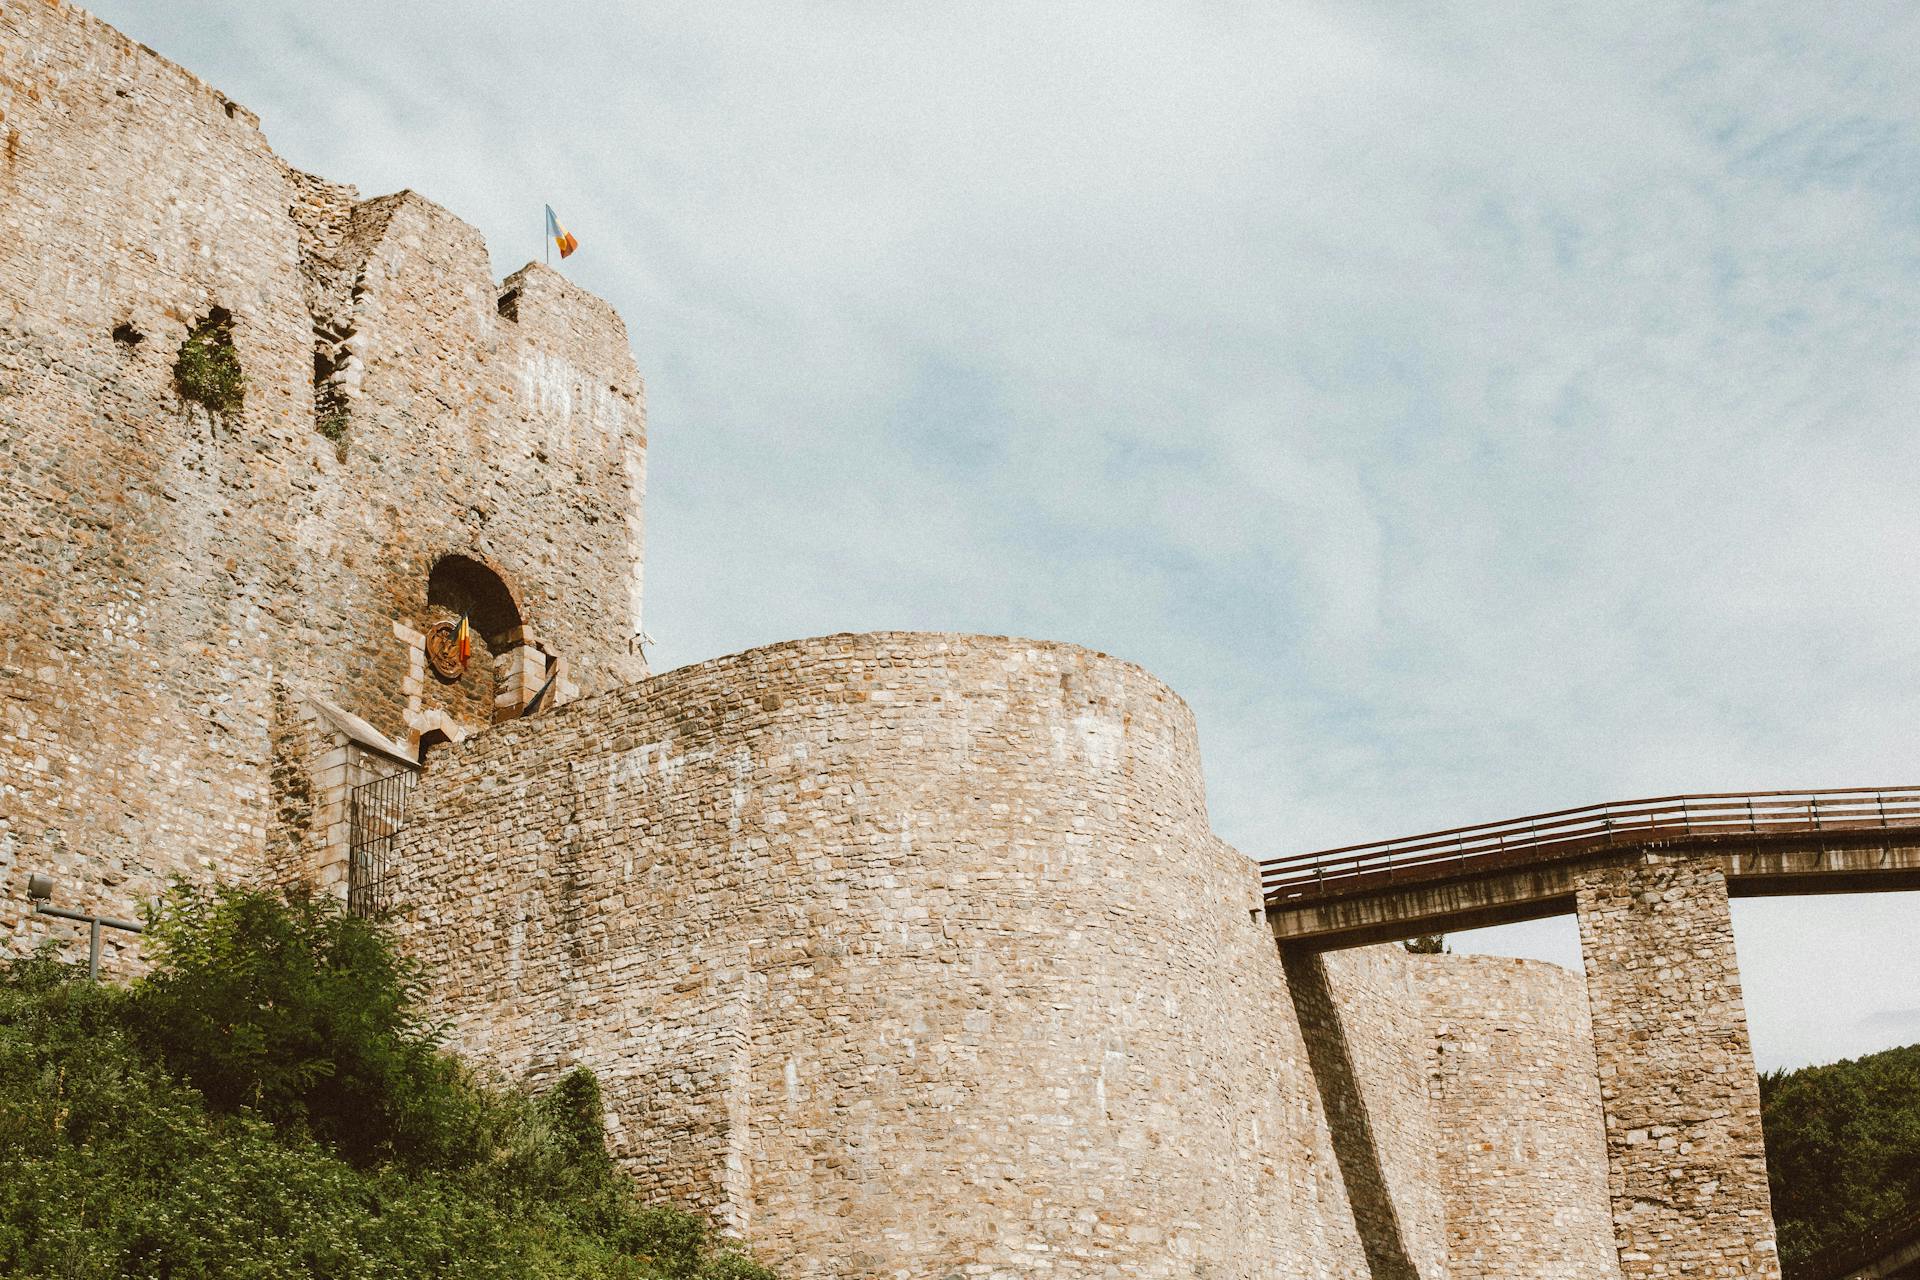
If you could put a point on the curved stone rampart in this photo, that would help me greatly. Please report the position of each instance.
(1465, 1111)
(904, 953)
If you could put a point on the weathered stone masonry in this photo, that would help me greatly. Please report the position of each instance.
(184, 588)
(1464, 1112)
(895, 951)
(1517, 1107)
(913, 955)
(1687, 1170)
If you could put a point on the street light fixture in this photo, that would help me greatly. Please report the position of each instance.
(40, 890)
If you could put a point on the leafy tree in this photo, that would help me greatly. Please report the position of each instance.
(305, 1016)
(1843, 1148)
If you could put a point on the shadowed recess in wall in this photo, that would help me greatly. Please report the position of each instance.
(207, 370)
(1331, 1058)
(464, 586)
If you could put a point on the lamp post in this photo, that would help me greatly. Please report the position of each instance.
(40, 891)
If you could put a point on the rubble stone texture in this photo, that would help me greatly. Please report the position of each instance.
(1516, 1103)
(1687, 1170)
(909, 954)
(1368, 1044)
(1464, 1112)
(904, 955)
(167, 570)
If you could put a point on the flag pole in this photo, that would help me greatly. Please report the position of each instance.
(548, 239)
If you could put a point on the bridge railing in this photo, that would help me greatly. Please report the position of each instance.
(1547, 837)
(1856, 1253)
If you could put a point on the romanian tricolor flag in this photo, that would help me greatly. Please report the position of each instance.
(562, 238)
(463, 640)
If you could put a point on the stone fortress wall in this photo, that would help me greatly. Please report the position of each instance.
(898, 951)
(189, 597)
(1464, 1109)
(1516, 1099)
(914, 955)
(902, 954)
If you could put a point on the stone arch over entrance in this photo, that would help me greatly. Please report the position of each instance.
(450, 697)
(462, 585)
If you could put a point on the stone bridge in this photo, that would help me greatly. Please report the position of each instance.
(1649, 881)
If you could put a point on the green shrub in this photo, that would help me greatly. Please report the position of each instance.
(574, 1109)
(304, 1015)
(332, 423)
(207, 370)
(203, 1123)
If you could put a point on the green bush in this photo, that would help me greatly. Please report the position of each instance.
(268, 1103)
(207, 369)
(574, 1110)
(306, 1017)
(333, 423)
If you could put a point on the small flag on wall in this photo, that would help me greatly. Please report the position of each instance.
(463, 642)
(562, 238)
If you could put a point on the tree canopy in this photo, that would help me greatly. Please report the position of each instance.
(1843, 1149)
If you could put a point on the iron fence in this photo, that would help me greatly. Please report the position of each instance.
(375, 817)
(1568, 833)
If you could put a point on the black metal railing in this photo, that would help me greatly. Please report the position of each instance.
(1570, 833)
(1876, 1244)
(375, 817)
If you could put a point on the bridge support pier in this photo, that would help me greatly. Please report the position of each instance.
(1687, 1169)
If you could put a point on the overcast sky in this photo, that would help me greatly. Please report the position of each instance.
(1471, 408)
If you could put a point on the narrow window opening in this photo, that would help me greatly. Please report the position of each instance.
(330, 415)
(510, 305)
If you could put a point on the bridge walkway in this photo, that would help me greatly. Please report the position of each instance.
(1854, 839)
